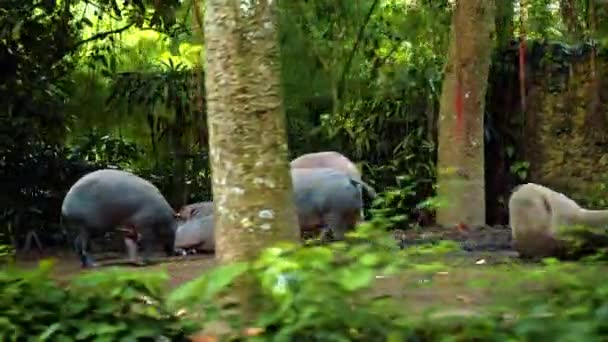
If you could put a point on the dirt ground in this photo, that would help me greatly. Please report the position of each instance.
(480, 275)
(482, 247)
(180, 269)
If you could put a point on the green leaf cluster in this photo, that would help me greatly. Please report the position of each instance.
(113, 305)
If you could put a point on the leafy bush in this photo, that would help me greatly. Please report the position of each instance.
(322, 293)
(105, 149)
(7, 253)
(36, 175)
(313, 293)
(101, 306)
(404, 204)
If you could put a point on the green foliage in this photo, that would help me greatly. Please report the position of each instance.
(7, 253)
(309, 293)
(520, 169)
(406, 200)
(581, 241)
(102, 306)
(101, 149)
(107, 150)
(169, 87)
(40, 45)
(313, 293)
(572, 306)
(325, 293)
(596, 196)
(378, 71)
(377, 68)
(400, 203)
(35, 178)
(35, 37)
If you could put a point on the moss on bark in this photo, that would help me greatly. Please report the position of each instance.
(247, 129)
(460, 162)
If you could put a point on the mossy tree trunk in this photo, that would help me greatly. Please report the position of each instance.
(505, 10)
(179, 149)
(252, 188)
(570, 17)
(460, 164)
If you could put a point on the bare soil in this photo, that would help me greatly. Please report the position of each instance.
(482, 247)
(480, 275)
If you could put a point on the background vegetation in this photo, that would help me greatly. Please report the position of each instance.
(92, 84)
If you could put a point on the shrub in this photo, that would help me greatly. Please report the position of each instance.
(111, 305)
(315, 293)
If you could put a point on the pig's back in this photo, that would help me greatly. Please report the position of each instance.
(117, 191)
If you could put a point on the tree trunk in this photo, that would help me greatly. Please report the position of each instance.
(460, 164)
(504, 22)
(179, 189)
(252, 188)
(247, 129)
(569, 15)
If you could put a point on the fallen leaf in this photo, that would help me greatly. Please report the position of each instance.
(464, 299)
(382, 277)
(462, 228)
(253, 331)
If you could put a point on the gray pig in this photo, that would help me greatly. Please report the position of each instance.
(195, 209)
(326, 198)
(333, 160)
(197, 232)
(106, 199)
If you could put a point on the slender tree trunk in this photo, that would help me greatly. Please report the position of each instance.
(595, 119)
(570, 18)
(460, 163)
(180, 191)
(252, 188)
(504, 22)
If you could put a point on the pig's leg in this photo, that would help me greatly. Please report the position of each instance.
(360, 188)
(146, 241)
(131, 238)
(336, 225)
(326, 234)
(80, 243)
(131, 249)
(340, 222)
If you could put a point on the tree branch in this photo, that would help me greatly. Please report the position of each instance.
(102, 35)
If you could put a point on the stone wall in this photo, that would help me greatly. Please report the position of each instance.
(565, 125)
(563, 133)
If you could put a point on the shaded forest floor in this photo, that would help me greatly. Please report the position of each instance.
(479, 275)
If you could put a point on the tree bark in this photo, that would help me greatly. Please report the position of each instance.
(252, 187)
(179, 189)
(247, 129)
(460, 164)
(569, 16)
